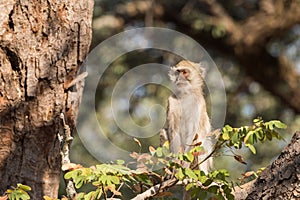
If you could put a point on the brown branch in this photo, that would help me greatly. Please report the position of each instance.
(280, 180)
(71, 83)
(65, 139)
(154, 190)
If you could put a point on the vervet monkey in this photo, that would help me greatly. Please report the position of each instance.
(187, 121)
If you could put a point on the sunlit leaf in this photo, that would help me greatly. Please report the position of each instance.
(235, 137)
(249, 138)
(79, 183)
(190, 173)
(252, 148)
(71, 174)
(190, 157)
(279, 124)
(225, 136)
(179, 174)
(24, 187)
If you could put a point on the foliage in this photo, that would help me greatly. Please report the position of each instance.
(17, 193)
(159, 166)
(163, 170)
(249, 135)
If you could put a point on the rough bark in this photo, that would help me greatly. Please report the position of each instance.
(280, 180)
(42, 45)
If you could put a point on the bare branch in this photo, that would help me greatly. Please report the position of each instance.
(154, 190)
(65, 139)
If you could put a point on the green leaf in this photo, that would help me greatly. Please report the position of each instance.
(279, 124)
(235, 138)
(227, 128)
(115, 180)
(260, 134)
(207, 182)
(79, 183)
(189, 186)
(159, 152)
(179, 175)
(71, 174)
(252, 148)
(80, 196)
(190, 174)
(197, 149)
(144, 179)
(257, 120)
(189, 156)
(213, 189)
(18, 194)
(202, 179)
(24, 187)
(98, 193)
(120, 162)
(249, 138)
(113, 169)
(225, 136)
(90, 196)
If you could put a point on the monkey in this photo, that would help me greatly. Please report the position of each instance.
(187, 122)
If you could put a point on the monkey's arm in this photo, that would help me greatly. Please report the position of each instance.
(173, 124)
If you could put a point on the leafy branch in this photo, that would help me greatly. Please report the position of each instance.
(157, 171)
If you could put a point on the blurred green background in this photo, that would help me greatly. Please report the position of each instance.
(255, 45)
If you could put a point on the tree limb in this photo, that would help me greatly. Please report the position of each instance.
(65, 140)
(280, 180)
(154, 190)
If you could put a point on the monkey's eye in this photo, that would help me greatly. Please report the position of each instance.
(184, 72)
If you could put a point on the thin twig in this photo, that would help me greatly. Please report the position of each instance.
(154, 190)
(80, 77)
(119, 188)
(65, 139)
(216, 147)
(104, 193)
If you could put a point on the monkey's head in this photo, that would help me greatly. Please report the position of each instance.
(187, 76)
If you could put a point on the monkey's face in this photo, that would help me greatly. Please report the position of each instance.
(180, 76)
(186, 75)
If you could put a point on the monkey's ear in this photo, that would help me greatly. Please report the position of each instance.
(200, 68)
(202, 71)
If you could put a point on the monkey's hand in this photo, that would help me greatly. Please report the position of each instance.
(163, 136)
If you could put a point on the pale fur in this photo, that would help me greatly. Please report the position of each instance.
(187, 115)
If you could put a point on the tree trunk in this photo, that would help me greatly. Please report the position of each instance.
(42, 45)
(281, 180)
